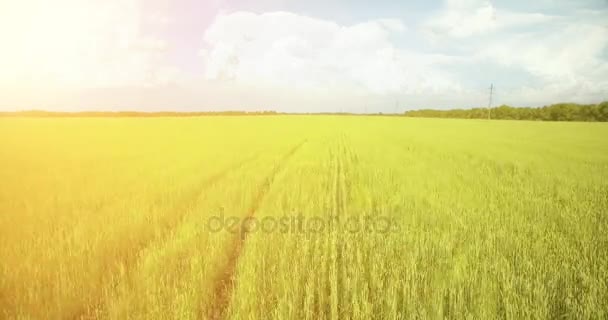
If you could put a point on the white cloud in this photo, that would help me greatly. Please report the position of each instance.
(561, 53)
(465, 18)
(286, 49)
(75, 44)
(122, 53)
(567, 90)
(564, 55)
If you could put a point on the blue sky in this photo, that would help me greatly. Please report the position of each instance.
(300, 56)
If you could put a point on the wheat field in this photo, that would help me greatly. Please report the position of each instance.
(302, 217)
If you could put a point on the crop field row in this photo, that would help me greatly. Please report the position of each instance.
(302, 217)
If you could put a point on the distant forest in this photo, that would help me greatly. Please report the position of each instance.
(554, 112)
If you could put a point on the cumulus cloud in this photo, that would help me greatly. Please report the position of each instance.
(75, 44)
(122, 52)
(286, 49)
(465, 18)
(564, 54)
(291, 51)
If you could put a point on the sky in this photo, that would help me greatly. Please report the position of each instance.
(300, 56)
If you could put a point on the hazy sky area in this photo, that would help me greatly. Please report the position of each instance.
(300, 56)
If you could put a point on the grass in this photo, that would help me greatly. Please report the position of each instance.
(110, 218)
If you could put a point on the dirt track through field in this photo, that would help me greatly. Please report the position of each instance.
(129, 259)
(226, 281)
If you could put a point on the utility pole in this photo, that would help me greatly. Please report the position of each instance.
(490, 103)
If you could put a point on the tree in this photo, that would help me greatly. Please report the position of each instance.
(603, 111)
(555, 112)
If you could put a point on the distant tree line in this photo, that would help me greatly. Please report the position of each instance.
(554, 112)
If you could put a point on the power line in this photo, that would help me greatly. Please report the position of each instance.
(490, 102)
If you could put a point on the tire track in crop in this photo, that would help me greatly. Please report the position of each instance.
(318, 296)
(343, 235)
(225, 283)
(343, 197)
(128, 260)
(334, 237)
(324, 253)
(312, 281)
(329, 294)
